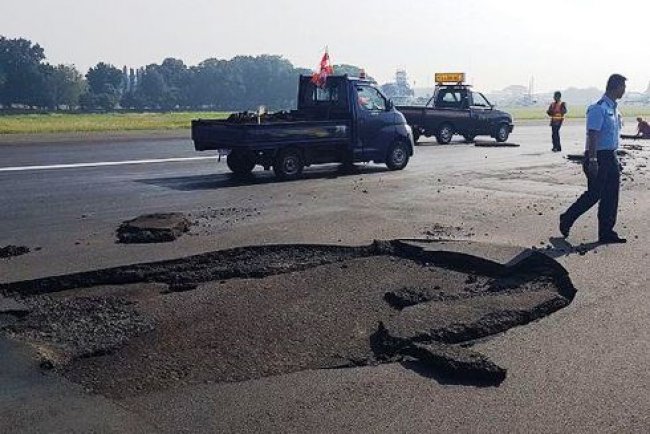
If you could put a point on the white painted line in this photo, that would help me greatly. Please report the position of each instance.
(102, 163)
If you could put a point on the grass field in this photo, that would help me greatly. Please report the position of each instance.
(575, 112)
(70, 123)
(67, 123)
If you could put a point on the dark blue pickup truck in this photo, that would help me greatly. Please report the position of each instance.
(346, 121)
(456, 109)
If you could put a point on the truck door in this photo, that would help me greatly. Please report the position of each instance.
(375, 123)
(481, 110)
(454, 101)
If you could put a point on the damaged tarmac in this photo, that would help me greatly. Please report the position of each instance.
(184, 344)
(260, 311)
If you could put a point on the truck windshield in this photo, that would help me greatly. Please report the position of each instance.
(370, 99)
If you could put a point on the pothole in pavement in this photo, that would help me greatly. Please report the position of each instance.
(260, 311)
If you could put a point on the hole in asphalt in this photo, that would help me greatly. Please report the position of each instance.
(254, 312)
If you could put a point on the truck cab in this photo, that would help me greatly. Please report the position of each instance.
(455, 108)
(373, 119)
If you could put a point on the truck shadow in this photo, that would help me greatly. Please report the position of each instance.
(477, 143)
(258, 177)
(427, 142)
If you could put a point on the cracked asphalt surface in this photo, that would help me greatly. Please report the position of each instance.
(581, 369)
(264, 311)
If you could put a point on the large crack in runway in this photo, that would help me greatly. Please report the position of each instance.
(260, 311)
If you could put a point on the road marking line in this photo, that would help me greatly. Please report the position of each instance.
(102, 163)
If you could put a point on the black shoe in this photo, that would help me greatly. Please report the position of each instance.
(565, 226)
(612, 239)
(555, 150)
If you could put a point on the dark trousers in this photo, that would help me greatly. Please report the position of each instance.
(555, 135)
(604, 188)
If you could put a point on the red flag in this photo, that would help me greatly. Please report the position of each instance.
(319, 78)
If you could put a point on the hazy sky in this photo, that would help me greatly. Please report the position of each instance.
(561, 43)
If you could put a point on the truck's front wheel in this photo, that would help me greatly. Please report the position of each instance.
(445, 134)
(288, 164)
(239, 163)
(398, 156)
(502, 134)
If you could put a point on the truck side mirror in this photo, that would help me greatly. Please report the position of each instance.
(389, 105)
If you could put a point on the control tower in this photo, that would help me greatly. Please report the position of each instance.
(400, 90)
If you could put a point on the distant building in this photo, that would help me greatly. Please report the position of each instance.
(636, 98)
(513, 96)
(400, 90)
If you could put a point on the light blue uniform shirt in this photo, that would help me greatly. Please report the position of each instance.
(604, 117)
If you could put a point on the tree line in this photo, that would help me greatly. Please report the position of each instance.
(28, 81)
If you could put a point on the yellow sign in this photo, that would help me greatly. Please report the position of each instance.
(450, 77)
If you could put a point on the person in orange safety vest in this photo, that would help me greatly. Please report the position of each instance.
(556, 111)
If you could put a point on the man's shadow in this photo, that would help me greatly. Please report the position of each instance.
(559, 246)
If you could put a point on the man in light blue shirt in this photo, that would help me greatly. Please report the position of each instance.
(601, 165)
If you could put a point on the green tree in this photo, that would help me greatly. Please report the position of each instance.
(177, 80)
(350, 70)
(132, 100)
(63, 86)
(244, 83)
(209, 85)
(105, 82)
(21, 74)
(152, 89)
(165, 86)
(264, 80)
(103, 77)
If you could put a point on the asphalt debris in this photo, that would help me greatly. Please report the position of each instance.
(153, 228)
(11, 251)
(72, 328)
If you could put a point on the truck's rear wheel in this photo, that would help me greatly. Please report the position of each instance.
(239, 163)
(398, 156)
(502, 133)
(288, 164)
(416, 135)
(445, 134)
